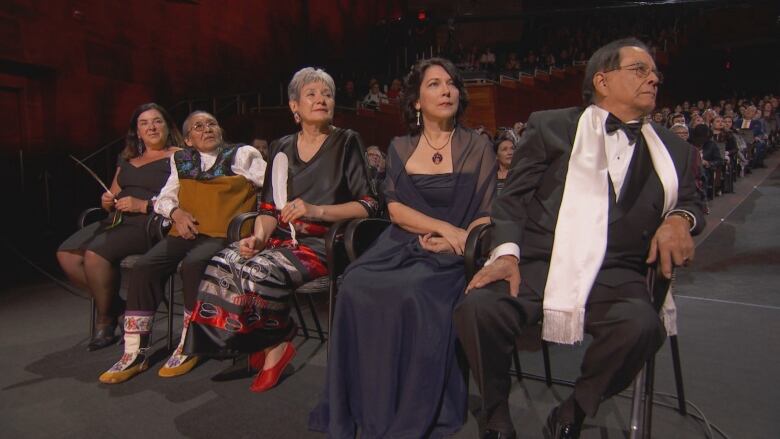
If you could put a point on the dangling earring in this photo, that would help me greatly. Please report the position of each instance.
(141, 146)
(418, 117)
(296, 117)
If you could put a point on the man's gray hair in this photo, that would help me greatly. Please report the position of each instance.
(605, 59)
(307, 75)
(679, 126)
(185, 127)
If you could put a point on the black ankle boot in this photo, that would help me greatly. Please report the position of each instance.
(104, 337)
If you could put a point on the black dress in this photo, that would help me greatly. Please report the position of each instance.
(244, 304)
(392, 370)
(129, 237)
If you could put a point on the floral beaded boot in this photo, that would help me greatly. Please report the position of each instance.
(138, 331)
(179, 363)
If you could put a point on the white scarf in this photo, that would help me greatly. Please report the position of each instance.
(580, 240)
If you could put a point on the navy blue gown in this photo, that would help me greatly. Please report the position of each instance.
(392, 371)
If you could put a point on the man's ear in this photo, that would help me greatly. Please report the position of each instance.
(187, 141)
(600, 84)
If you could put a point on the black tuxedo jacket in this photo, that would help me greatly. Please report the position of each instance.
(526, 212)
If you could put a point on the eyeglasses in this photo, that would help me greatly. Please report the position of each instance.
(200, 127)
(641, 71)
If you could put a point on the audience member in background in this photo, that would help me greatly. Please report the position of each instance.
(487, 60)
(376, 169)
(395, 91)
(676, 119)
(315, 177)
(262, 146)
(392, 369)
(375, 97)
(740, 155)
(751, 130)
(349, 96)
(680, 130)
(658, 117)
(723, 138)
(211, 181)
(505, 150)
(512, 63)
(696, 120)
(518, 128)
(711, 159)
(90, 257)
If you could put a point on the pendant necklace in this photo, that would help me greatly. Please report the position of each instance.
(437, 157)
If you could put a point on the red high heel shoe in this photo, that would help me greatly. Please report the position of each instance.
(266, 379)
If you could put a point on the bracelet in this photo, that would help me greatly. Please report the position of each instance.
(170, 214)
(688, 217)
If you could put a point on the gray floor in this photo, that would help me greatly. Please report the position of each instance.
(728, 305)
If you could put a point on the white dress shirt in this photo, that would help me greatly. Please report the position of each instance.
(248, 163)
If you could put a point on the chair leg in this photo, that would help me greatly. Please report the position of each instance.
(316, 318)
(92, 311)
(333, 290)
(635, 424)
(170, 313)
(647, 422)
(678, 379)
(518, 369)
(300, 316)
(546, 357)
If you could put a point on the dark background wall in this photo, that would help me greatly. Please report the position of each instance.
(76, 68)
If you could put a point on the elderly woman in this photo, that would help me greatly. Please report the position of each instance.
(90, 257)
(392, 370)
(210, 182)
(316, 177)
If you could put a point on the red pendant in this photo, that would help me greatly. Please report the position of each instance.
(437, 158)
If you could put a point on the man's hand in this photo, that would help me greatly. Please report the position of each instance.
(672, 245)
(185, 223)
(503, 268)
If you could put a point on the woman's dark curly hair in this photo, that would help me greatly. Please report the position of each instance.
(413, 82)
(134, 147)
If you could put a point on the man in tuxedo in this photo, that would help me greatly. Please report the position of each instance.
(594, 195)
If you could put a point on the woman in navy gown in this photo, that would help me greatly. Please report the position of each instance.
(392, 370)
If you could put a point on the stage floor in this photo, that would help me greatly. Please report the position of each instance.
(729, 320)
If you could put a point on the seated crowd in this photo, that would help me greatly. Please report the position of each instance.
(392, 369)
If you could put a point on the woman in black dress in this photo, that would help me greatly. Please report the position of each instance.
(314, 178)
(392, 370)
(90, 257)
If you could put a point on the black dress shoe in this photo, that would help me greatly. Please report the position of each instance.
(493, 434)
(104, 337)
(560, 430)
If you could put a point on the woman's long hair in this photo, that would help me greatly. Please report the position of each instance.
(412, 84)
(134, 146)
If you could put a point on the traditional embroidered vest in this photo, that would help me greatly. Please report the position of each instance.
(213, 196)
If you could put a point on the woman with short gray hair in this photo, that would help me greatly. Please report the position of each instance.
(316, 176)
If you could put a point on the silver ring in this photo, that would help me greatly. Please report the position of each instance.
(293, 205)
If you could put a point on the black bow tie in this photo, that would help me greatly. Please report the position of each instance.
(631, 129)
